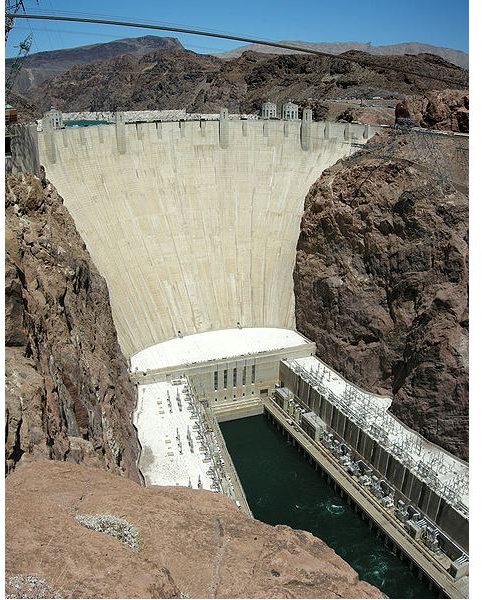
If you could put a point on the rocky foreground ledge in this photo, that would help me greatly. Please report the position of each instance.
(177, 543)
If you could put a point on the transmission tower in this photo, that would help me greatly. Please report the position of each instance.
(24, 49)
(12, 7)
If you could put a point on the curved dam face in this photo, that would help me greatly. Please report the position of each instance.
(194, 224)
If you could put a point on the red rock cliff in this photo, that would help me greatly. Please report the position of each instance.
(444, 110)
(381, 280)
(68, 396)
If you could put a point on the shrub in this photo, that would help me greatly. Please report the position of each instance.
(118, 528)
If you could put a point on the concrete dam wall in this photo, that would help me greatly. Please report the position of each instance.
(194, 224)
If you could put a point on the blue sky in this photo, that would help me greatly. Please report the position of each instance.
(437, 22)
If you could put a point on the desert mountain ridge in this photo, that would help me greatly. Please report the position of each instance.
(180, 79)
(41, 66)
(457, 57)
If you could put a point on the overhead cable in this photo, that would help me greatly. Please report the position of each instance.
(236, 38)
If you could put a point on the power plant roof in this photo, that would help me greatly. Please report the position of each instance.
(215, 345)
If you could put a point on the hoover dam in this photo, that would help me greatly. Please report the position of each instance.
(194, 224)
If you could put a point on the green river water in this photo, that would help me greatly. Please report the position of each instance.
(283, 488)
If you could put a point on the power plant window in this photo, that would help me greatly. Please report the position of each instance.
(253, 373)
(225, 379)
(244, 375)
(235, 377)
(215, 380)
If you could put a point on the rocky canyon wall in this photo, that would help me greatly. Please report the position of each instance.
(68, 396)
(446, 110)
(381, 279)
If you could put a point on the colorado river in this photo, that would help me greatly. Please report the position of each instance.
(283, 488)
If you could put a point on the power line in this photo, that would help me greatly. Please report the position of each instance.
(236, 38)
(187, 46)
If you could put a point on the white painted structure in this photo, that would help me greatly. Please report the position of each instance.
(268, 110)
(164, 423)
(441, 469)
(337, 384)
(53, 118)
(217, 346)
(230, 369)
(289, 111)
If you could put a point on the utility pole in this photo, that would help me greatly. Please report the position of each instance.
(12, 8)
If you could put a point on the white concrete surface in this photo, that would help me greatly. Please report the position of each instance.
(192, 237)
(336, 383)
(215, 345)
(165, 458)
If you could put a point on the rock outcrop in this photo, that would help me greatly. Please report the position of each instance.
(446, 110)
(199, 83)
(68, 396)
(381, 284)
(192, 543)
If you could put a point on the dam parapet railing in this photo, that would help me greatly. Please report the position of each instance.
(25, 153)
(223, 130)
(89, 118)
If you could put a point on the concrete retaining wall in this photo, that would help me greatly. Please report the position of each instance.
(24, 157)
